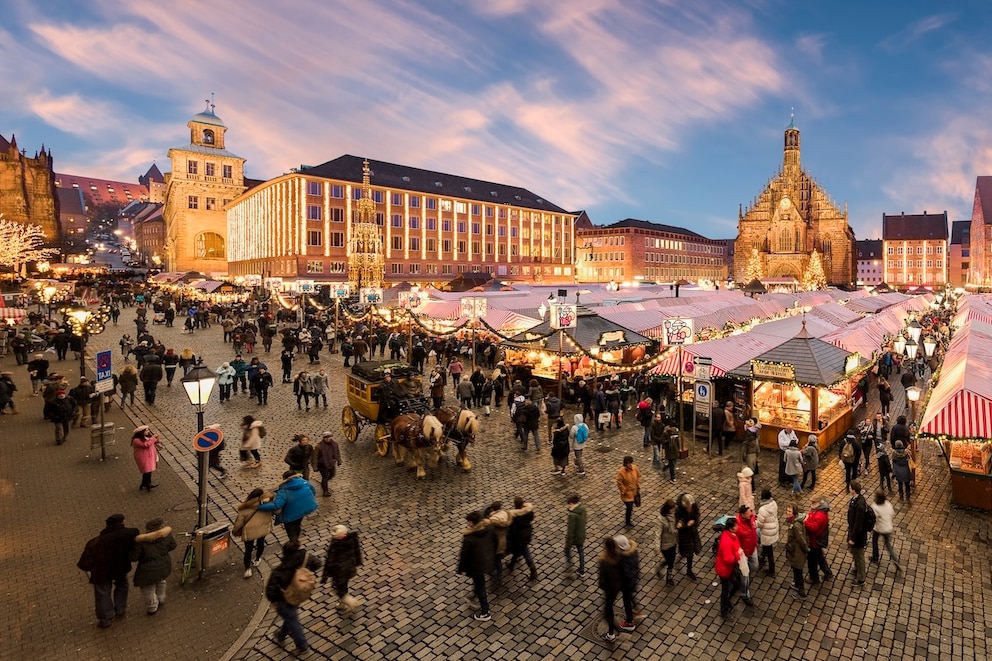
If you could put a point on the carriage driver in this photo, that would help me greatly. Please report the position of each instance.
(391, 393)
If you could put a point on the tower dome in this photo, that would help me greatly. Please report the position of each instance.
(208, 117)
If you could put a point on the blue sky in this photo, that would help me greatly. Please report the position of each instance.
(663, 110)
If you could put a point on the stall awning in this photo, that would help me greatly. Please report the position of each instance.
(815, 362)
(13, 313)
(960, 405)
(591, 330)
(727, 353)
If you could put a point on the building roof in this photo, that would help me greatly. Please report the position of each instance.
(102, 191)
(153, 174)
(404, 177)
(961, 232)
(653, 227)
(207, 151)
(914, 227)
(869, 248)
(816, 363)
(208, 117)
(4, 145)
(71, 202)
(983, 190)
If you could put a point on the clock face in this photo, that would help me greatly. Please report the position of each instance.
(785, 203)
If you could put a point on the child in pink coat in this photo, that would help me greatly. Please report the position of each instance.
(744, 487)
(145, 443)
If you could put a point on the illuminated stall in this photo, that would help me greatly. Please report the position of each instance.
(804, 382)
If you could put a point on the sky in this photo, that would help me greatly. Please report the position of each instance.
(663, 110)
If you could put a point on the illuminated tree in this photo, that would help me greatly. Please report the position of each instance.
(814, 277)
(21, 243)
(753, 270)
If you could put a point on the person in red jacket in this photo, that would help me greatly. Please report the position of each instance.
(728, 553)
(747, 535)
(818, 531)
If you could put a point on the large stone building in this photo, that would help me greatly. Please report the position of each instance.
(634, 250)
(981, 235)
(792, 217)
(205, 177)
(434, 226)
(27, 189)
(915, 248)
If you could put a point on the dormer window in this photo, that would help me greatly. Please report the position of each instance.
(437, 184)
(406, 179)
(208, 136)
(468, 189)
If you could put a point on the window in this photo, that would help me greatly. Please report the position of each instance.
(513, 250)
(461, 226)
(314, 188)
(489, 230)
(929, 263)
(476, 247)
(891, 250)
(431, 203)
(919, 250)
(210, 203)
(396, 220)
(396, 242)
(208, 136)
(501, 249)
(210, 169)
(414, 268)
(414, 201)
(192, 167)
(461, 246)
(476, 209)
(414, 222)
(431, 269)
(431, 245)
(446, 269)
(446, 245)
(489, 212)
(940, 250)
(380, 218)
(396, 268)
(414, 243)
(228, 171)
(460, 207)
(315, 266)
(209, 245)
(489, 249)
(501, 231)
(378, 196)
(314, 238)
(339, 267)
(356, 193)
(502, 213)
(445, 205)
(192, 202)
(396, 198)
(337, 191)
(899, 250)
(337, 239)
(432, 224)
(513, 232)
(476, 228)
(314, 212)
(445, 225)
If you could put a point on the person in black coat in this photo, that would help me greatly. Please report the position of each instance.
(61, 411)
(899, 432)
(610, 582)
(477, 558)
(344, 557)
(293, 557)
(151, 552)
(107, 560)
(520, 533)
(151, 375)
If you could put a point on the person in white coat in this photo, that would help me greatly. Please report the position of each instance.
(225, 380)
(767, 524)
(884, 527)
(252, 433)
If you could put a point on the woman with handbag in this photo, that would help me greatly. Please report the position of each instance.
(252, 526)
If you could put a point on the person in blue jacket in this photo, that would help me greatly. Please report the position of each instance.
(294, 499)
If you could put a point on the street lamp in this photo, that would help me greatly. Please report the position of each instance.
(914, 330)
(199, 383)
(911, 348)
(913, 395)
(899, 344)
(929, 346)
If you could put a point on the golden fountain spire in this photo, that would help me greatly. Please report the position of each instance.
(366, 262)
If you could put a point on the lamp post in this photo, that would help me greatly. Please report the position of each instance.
(914, 330)
(929, 346)
(199, 383)
(79, 321)
(899, 344)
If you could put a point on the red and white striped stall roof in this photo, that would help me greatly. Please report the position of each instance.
(13, 313)
(961, 403)
(727, 353)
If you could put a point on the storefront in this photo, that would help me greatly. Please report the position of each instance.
(806, 383)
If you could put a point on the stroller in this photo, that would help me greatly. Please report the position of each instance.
(159, 318)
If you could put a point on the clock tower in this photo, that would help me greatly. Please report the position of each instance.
(205, 177)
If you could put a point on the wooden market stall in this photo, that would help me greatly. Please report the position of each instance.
(805, 382)
(958, 415)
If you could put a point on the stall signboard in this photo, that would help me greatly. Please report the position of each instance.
(614, 336)
(701, 367)
(411, 300)
(563, 316)
(676, 331)
(370, 296)
(474, 307)
(852, 363)
(340, 290)
(761, 369)
(273, 283)
(305, 286)
(253, 280)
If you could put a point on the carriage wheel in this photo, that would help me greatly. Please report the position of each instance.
(381, 440)
(349, 424)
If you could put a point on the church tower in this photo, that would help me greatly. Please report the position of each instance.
(792, 217)
(205, 177)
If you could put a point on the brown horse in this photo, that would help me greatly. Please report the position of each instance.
(466, 423)
(417, 433)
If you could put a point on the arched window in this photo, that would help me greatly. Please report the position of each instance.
(208, 136)
(209, 245)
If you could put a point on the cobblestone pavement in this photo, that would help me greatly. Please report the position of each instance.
(415, 606)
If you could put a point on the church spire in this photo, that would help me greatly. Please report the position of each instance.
(790, 158)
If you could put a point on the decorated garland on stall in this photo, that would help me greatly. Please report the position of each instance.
(495, 332)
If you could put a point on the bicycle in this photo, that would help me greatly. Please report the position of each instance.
(189, 558)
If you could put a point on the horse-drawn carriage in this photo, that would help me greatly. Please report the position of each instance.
(401, 415)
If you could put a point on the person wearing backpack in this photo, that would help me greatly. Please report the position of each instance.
(811, 461)
(860, 521)
(850, 456)
(289, 585)
(579, 434)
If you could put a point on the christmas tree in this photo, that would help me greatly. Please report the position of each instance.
(753, 270)
(814, 277)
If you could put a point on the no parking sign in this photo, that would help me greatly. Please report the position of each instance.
(207, 440)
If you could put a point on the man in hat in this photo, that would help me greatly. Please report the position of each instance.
(344, 557)
(38, 370)
(106, 559)
(326, 458)
(391, 393)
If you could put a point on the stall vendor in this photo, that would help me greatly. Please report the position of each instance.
(785, 438)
